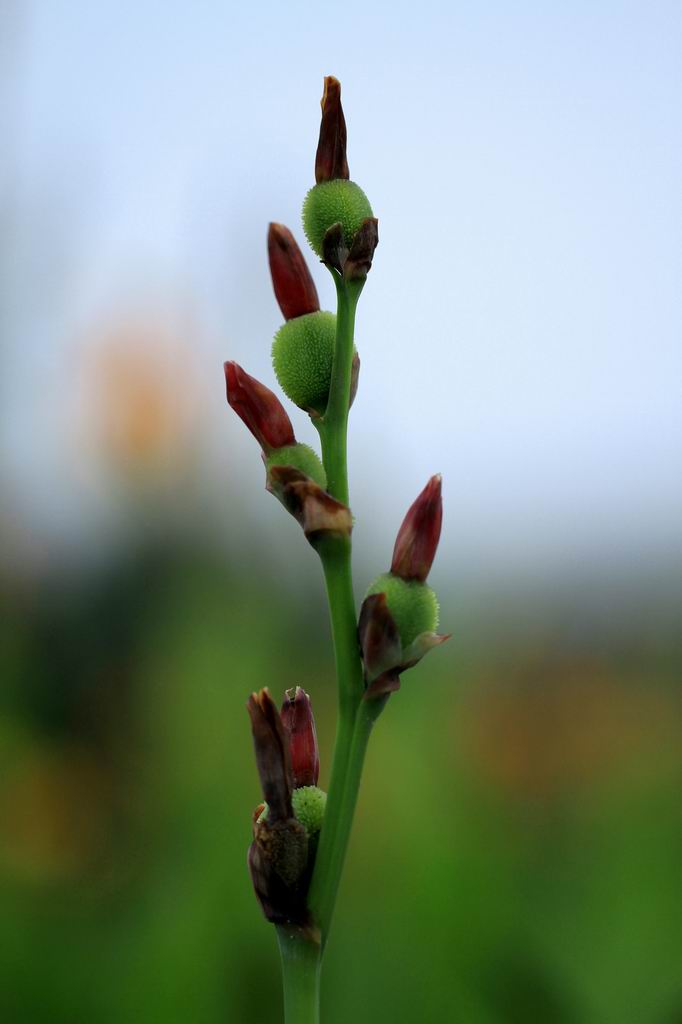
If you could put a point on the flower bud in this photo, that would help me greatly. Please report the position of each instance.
(417, 540)
(300, 457)
(412, 604)
(309, 804)
(278, 855)
(330, 160)
(282, 854)
(334, 202)
(399, 615)
(273, 758)
(303, 356)
(297, 718)
(294, 288)
(258, 408)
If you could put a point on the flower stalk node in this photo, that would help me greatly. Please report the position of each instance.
(317, 512)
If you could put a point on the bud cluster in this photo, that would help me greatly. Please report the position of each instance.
(399, 616)
(286, 825)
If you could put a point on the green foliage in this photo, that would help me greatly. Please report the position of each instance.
(300, 456)
(302, 355)
(309, 803)
(413, 605)
(333, 202)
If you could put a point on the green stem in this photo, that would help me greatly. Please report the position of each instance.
(322, 898)
(334, 426)
(335, 553)
(301, 976)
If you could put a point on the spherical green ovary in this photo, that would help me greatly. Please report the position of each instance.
(302, 355)
(309, 803)
(300, 456)
(413, 605)
(334, 202)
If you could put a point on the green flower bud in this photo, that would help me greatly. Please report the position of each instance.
(334, 202)
(413, 605)
(302, 355)
(301, 457)
(309, 803)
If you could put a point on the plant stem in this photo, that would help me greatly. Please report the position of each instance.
(300, 975)
(334, 426)
(322, 899)
(335, 553)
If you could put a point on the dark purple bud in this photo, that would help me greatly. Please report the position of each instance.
(380, 646)
(271, 743)
(415, 546)
(355, 263)
(258, 408)
(359, 260)
(297, 716)
(330, 160)
(294, 288)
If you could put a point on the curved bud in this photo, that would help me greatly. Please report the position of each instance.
(417, 541)
(359, 260)
(259, 408)
(297, 718)
(380, 646)
(273, 760)
(379, 637)
(331, 160)
(294, 288)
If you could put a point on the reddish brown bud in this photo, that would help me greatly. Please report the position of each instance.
(330, 160)
(294, 288)
(258, 408)
(380, 646)
(271, 743)
(415, 546)
(297, 717)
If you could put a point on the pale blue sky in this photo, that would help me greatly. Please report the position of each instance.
(521, 331)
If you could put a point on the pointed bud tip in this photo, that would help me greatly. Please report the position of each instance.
(418, 537)
(330, 159)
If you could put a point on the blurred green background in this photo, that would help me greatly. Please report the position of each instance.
(517, 850)
(517, 853)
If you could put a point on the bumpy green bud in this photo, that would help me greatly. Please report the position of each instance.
(309, 803)
(413, 605)
(302, 355)
(334, 202)
(301, 457)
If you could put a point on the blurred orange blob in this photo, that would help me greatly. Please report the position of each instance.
(141, 400)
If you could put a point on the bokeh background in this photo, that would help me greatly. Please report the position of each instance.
(518, 844)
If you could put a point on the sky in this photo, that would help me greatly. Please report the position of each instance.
(521, 328)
